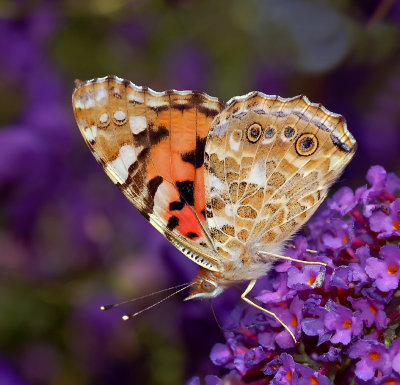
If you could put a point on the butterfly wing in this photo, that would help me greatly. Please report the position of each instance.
(269, 162)
(152, 147)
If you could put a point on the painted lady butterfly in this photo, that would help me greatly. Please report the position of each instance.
(226, 183)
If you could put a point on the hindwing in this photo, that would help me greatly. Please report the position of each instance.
(269, 162)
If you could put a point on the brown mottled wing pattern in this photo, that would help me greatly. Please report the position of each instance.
(269, 162)
(152, 146)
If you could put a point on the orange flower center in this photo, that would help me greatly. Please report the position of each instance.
(391, 381)
(346, 323)
(311, 279)
(392, 269)
(374, 355)
(313, 380)
(294, 321)
(372, 309)
(345, 239)
(289, 375)
(396, 224)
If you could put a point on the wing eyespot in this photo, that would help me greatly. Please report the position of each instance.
(254, 132)
(269, 132)
(289, 132)
(306, 144)
(119, 117)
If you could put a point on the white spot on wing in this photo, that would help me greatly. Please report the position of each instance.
(101, 95)
(91, 133)
(164, 190)
(220, 129)
(154, 103)
(94, 131)
(89, 103)
(215, 183)
(229, 209)
(137, 98)
(333, 161)
(181, 101)
(234, 144)
(118, 170)
(128, 155)
(79, 103)
(117, 91)
(120, 115)
(257, 174)
(137, 123)
(103, 118)
(220, 221)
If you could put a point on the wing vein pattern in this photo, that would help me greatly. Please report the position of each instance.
(219, 181)
(151, 144)
(269, 162)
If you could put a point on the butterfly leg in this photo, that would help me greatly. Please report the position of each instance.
(261, 253)
(247, 291)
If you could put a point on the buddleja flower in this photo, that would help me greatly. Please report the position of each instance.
(345, 316)
(374, 356)
(385, 271)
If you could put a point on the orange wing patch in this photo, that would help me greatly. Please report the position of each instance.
(152, 146)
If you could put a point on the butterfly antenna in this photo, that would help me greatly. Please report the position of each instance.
(130, 316)
(216, 319)
(112, 306)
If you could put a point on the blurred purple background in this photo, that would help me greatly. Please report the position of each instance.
(70, 241)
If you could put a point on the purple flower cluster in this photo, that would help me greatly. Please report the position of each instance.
(345, 315)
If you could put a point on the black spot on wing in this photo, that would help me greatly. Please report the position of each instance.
(209, 212)
(158, 135)
(172, 223)
(135, 177)
(279, 114)
(141, 138)
(340, 145)
(197, 98)
(196, 157)
(175, 205)
(186, 195)
(192, 235)
(203, 105)
(153, 186)
(159, 109)
(209, 112)
(186, 191)
(182, 106)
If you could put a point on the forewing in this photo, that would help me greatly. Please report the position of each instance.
(151, 145)
(269, 163)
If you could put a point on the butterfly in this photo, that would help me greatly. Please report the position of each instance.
(228, 184)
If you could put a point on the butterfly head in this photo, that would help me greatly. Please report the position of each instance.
(206, 284)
